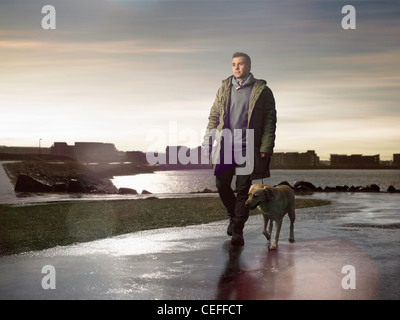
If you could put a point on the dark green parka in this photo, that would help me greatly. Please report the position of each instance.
(261, 118)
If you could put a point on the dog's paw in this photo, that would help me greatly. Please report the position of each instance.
(291, 240)
(273, 247)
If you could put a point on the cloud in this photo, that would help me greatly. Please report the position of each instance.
(115, 47)
(19, 44)
(140, 64)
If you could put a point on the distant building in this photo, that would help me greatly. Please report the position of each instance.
(23, 150)
(63, 149)
(183, 157)
(87, 151)
(354, 161)
(294, 160)
(136, 157)
(396, 160)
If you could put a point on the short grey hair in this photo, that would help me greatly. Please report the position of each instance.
(242, 54)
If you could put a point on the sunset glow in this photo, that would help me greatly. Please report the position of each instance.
(114, 70)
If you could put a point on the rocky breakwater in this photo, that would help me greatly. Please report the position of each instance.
(69, 177)
(307, 187)
(26, 183)
(130, 191)
(304, 187)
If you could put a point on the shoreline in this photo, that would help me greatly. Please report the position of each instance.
(28, 199)
(57, 177)
(45, 225)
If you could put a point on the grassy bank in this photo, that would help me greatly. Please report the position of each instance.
(37, 227)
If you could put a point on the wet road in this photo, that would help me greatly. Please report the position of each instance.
(197, 262)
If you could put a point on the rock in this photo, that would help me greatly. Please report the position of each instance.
(151, 198)
(371, 188)
(92, 189)
(303, 189)
(26, 183)
(76, 186)
(304, 186)
(392, 189)
(206, 190)
(146, 192)
(127, 191)
(342, 188)
(285, 183)
(60, 187)
(374, 188)
(354, 189)
(337, 189)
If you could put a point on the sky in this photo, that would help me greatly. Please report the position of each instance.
(144, 74)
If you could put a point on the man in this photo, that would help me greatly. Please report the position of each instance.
(246, 105)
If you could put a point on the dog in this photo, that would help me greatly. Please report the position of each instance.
(274, 203)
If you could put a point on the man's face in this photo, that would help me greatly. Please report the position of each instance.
(240, 68)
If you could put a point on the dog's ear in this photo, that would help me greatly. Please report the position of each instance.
(269, 193)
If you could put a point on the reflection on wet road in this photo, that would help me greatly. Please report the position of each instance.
(307, 270)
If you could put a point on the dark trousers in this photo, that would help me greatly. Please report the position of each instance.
(235, 205)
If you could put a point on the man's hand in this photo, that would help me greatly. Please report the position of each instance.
(264, 155)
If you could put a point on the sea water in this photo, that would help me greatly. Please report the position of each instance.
(186, 181)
